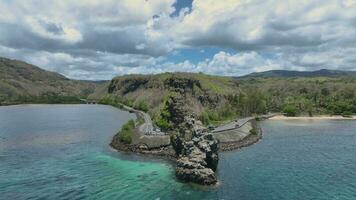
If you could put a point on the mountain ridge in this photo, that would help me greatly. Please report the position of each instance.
(292, 73)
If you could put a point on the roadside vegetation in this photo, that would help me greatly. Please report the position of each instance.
(125, 134)
(253, 131)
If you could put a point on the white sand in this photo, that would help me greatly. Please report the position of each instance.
(282, 117)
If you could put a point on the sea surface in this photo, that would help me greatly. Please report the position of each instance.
(62, 152)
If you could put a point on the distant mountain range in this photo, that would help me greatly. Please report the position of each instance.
(287, 73)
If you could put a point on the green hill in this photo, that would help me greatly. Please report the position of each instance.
(21, 82)
(212, 98)
(306, 95)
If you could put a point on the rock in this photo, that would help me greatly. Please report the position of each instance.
(177, 143)
(143, 147)
(196, 148)
(189, 170)
(198, 158)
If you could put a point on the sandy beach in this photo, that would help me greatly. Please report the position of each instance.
(282, 117)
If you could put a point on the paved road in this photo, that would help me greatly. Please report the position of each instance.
(232, 125)
(147, 127)
(238, 123)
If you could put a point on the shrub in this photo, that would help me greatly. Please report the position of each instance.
(253, 131)
(347, 114)
(125, 134)
(290, 110)
(163, 124)
(142, 106)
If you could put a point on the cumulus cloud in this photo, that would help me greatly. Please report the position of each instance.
(90, 39)
(246, 24)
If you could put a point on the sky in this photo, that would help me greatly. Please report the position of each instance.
(101, 39)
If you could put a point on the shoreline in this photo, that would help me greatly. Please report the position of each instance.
(249, 140)
(317, 117)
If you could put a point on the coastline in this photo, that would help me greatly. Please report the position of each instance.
(163, 152)
(246, 142)
(317, 117)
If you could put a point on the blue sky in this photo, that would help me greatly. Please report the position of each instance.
(91, 39)
(178, 5)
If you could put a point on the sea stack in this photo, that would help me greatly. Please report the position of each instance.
(197, 154)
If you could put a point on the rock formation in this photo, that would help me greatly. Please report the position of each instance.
(198, 155)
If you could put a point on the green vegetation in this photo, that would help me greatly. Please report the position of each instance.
(24, 83)
(290, 110)
(142, 105)
(111, 101)
(211, 117)
(115, 101)
(139, 121)
(253, 131)
(46, 98)
(125, 134)
(210, 97)
(214, 99)
(347, 114)
(164, 119)
(305, 95)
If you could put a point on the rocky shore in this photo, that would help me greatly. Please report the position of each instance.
(243, 136)
(247, 141)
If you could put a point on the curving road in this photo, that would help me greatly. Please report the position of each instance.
(147, 127)
(238, 123)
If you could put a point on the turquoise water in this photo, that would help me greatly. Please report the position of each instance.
(61, 152)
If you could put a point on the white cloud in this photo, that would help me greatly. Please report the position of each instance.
(249, 24)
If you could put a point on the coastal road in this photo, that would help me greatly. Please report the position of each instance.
(239, 122)
(147, 127)
(233, 125)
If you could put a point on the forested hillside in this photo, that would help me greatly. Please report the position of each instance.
(305, 96)
(21, 82)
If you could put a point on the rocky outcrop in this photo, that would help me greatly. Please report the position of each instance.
(191, 171)
(182, 84)
(198, 156)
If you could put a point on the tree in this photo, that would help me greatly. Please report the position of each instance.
(290, 110)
